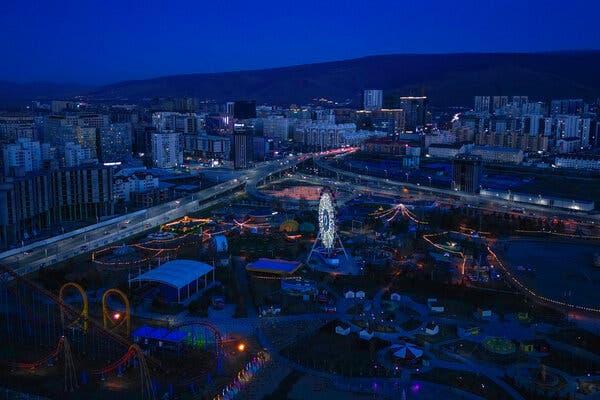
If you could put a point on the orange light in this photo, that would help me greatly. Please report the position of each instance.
(117, 316)
(241, 347)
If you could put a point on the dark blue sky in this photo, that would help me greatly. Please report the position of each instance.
(104, 41)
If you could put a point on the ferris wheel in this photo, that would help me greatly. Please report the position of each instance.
(327, 241)
(327, 230)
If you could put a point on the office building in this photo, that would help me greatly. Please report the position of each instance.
(388, 120)
(243, 148)
(415, 109)
(466, 173)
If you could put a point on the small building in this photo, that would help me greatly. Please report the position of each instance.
(366, 334)
(484, 313)
(432, 328)
(342, 328)
(269, 310)
(434, 306)
(153, 338)
(349, 294)
(360, 294)
(468, 331)
(395, 297)
(537, 345)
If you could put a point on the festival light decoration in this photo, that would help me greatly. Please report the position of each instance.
(398, 209)
(327, 230)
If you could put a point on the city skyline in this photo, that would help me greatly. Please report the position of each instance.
(386, 200)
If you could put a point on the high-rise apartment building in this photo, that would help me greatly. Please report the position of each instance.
(33, 202)
(373, 99)
(481, 104)
(166, 149)
(24, 156)
(114, 143)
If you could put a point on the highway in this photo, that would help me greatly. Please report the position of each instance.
(459, 198)
(30, 258)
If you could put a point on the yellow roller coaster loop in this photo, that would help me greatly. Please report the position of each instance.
(84, 299)
(116, 320)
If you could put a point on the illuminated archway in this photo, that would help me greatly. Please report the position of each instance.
(116, 321)
(84, 310)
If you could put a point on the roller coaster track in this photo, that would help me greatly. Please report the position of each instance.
(72, 313)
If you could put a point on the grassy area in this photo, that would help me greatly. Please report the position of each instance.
(467, 381)
(446, 332)
(344, 355)
(270, 246)
(578, 338)
(570, 363)
(285, 386)
(410, 324)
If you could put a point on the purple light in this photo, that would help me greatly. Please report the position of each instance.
(415, 388)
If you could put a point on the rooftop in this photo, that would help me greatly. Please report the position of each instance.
(274, 266)
(176, 273)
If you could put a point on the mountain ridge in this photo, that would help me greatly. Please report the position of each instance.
(448, 79)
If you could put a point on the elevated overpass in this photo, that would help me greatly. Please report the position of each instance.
(43, 253)
(458, 198)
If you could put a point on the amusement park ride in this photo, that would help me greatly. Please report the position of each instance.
(49, 335)
(328, 246)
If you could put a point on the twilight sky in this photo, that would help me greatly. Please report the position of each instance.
(103, 41)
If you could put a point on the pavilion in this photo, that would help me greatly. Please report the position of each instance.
(179, 279)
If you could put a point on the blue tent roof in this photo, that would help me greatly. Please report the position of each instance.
(274, 266)
(163, 334)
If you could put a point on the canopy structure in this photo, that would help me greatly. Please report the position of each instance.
(407, 351)
(182, 276)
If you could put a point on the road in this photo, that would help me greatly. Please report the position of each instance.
(497, 204)
(30, 258)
